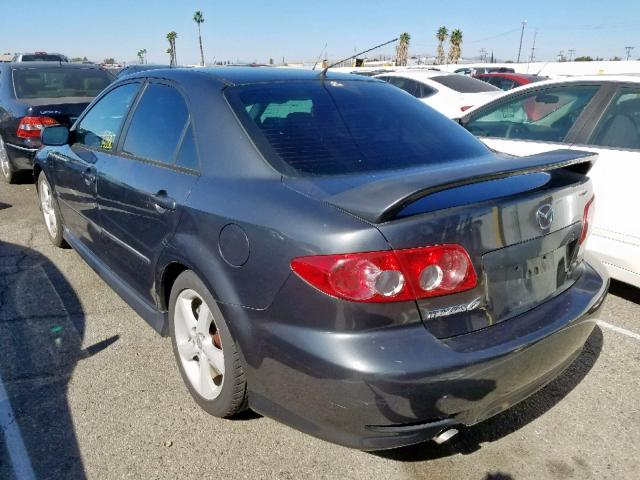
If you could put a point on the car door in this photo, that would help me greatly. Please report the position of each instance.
(74, 166)
(537, 120)
(141, 190)
(616, 138)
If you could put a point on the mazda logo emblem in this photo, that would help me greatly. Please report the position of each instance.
(544, 215)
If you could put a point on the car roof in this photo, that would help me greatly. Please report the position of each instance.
(38, 64)
(247, 75)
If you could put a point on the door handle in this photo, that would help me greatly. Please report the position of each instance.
(163, 202)
(89, 176)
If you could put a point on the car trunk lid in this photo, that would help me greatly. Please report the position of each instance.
(519, 219)
(65, 110)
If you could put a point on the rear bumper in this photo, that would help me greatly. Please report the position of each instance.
(21, 157)
(399, 385)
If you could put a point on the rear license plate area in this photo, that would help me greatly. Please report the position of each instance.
(522, 276)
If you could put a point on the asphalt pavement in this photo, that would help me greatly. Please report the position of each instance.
(88, 390)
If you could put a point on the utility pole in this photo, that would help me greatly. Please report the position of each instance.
(628, 49)
(524, 22)
(533, 47)
(571, 52)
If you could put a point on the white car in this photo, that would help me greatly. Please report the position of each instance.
(598, 114)
(451, 94)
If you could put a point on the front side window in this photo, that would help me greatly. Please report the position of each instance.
(100, 127)
(157, 124)
(620, 125)
(347, 127)
(544, 115)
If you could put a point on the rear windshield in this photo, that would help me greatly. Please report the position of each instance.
(43, 58)
(56, 82)
(463, 84)
(332, 128)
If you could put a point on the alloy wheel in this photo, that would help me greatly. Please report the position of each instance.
(4, 160)
(48, 210)
(199, 344)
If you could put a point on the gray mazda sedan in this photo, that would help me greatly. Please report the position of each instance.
(326, 249)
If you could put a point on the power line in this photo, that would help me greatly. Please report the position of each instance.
(571, 52)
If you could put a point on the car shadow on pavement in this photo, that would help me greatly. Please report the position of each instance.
(42, 325)
(471, 439)
(625, 291)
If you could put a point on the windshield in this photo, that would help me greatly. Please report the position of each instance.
(56, 82)
(331, 128)
(463, 84)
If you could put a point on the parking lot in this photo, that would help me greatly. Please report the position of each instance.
(93, 392)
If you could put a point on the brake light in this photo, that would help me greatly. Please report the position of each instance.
(30, 127)
(466, 107)
(390, 275)
(587, 220)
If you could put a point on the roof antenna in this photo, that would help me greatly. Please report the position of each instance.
(323, 74)
(319, 56)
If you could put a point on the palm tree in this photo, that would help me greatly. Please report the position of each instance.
(455, 48)
(140, 55)
(171, 36)
(442, 34)
(199, 18)
(402, 49)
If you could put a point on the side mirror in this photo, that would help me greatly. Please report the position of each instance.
(55, 135)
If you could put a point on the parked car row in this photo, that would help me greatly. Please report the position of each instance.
(327, 250)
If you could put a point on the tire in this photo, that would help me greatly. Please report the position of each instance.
(50, 212)
(218, 382)
(6, 165)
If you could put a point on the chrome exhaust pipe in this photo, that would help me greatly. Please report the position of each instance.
(445, 435)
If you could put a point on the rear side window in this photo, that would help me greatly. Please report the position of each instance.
(347, 127)
(415, 88)
(56, 82)
(101, 125)
(187, 156)
(543, 115)
(157, 124)
(463, 84)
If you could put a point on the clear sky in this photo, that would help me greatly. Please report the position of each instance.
(255, 30)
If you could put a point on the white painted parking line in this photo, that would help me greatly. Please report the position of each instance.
(13, 439)
(623, 331)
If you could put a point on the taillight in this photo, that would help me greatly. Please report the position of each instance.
(390, 275)
(30, 127)
(587, 220)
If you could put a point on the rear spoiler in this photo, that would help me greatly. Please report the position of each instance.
(381, 200)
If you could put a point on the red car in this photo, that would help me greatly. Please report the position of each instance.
(507, 81)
